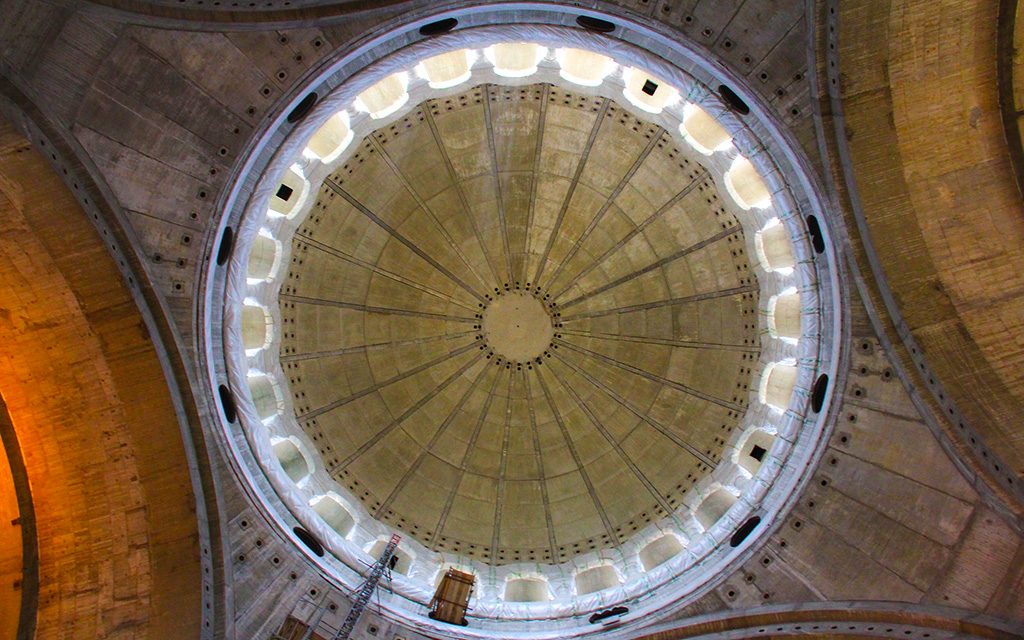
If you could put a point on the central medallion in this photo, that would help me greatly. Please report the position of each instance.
(517, 326)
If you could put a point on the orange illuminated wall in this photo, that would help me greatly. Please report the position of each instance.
(17, 536)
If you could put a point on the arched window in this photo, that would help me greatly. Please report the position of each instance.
(385, 97)
(289, 194)
(659, 551)
(702, 132)
(293, 459)
(777, 382)
(596, 579)
(584, 67)
(515, 59)
(404, 561)
(527, 590)
(784, 315)
(774, 248)
(714, 507)
(264, 257)
(646, 92)
(256, 327)
(753, 448)
(331, 510)
(746, 186)
(265, 396)
(446, 70)
(332, 138)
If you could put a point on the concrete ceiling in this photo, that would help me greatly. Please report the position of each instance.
(543, 376)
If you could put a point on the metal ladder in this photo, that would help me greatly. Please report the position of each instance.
(365, 590)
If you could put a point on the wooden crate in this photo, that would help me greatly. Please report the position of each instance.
(452, 597)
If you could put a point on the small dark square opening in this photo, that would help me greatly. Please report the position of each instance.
(284, 192)
(757, 452)
(650, 87)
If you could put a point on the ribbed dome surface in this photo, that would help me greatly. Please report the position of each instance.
(519, 324)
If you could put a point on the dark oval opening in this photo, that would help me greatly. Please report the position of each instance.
(308, 540)
(302, 109)
(745, 530)
(817, 239)
(227, 404)
(818, 393)
(439, 27)
(226, 242)
(607, 613)
(734, 102)
(591, 23)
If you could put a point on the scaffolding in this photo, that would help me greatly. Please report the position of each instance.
(307, 620)
(369, 586)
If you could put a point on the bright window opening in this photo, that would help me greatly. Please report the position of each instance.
(256, 327)
(264, 258)
(527, 590)
(753, 449)
(386, 97)
(777, 383)
(584, 68)
(702, 132)
(774, 248)
(332, 138)
(746, 186)
(646, 92)
(515, 59)
(401, 560)
(714, 507)
(332, 510)
(659, 551)
(289, 194)
(448, 69)
(596, 579)
(293, 459)
(784, 316)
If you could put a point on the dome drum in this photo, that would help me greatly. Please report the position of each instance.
(535, 342)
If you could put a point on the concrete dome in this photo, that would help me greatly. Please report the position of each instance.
(520, 324)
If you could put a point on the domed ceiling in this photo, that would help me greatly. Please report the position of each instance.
(518, 324)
